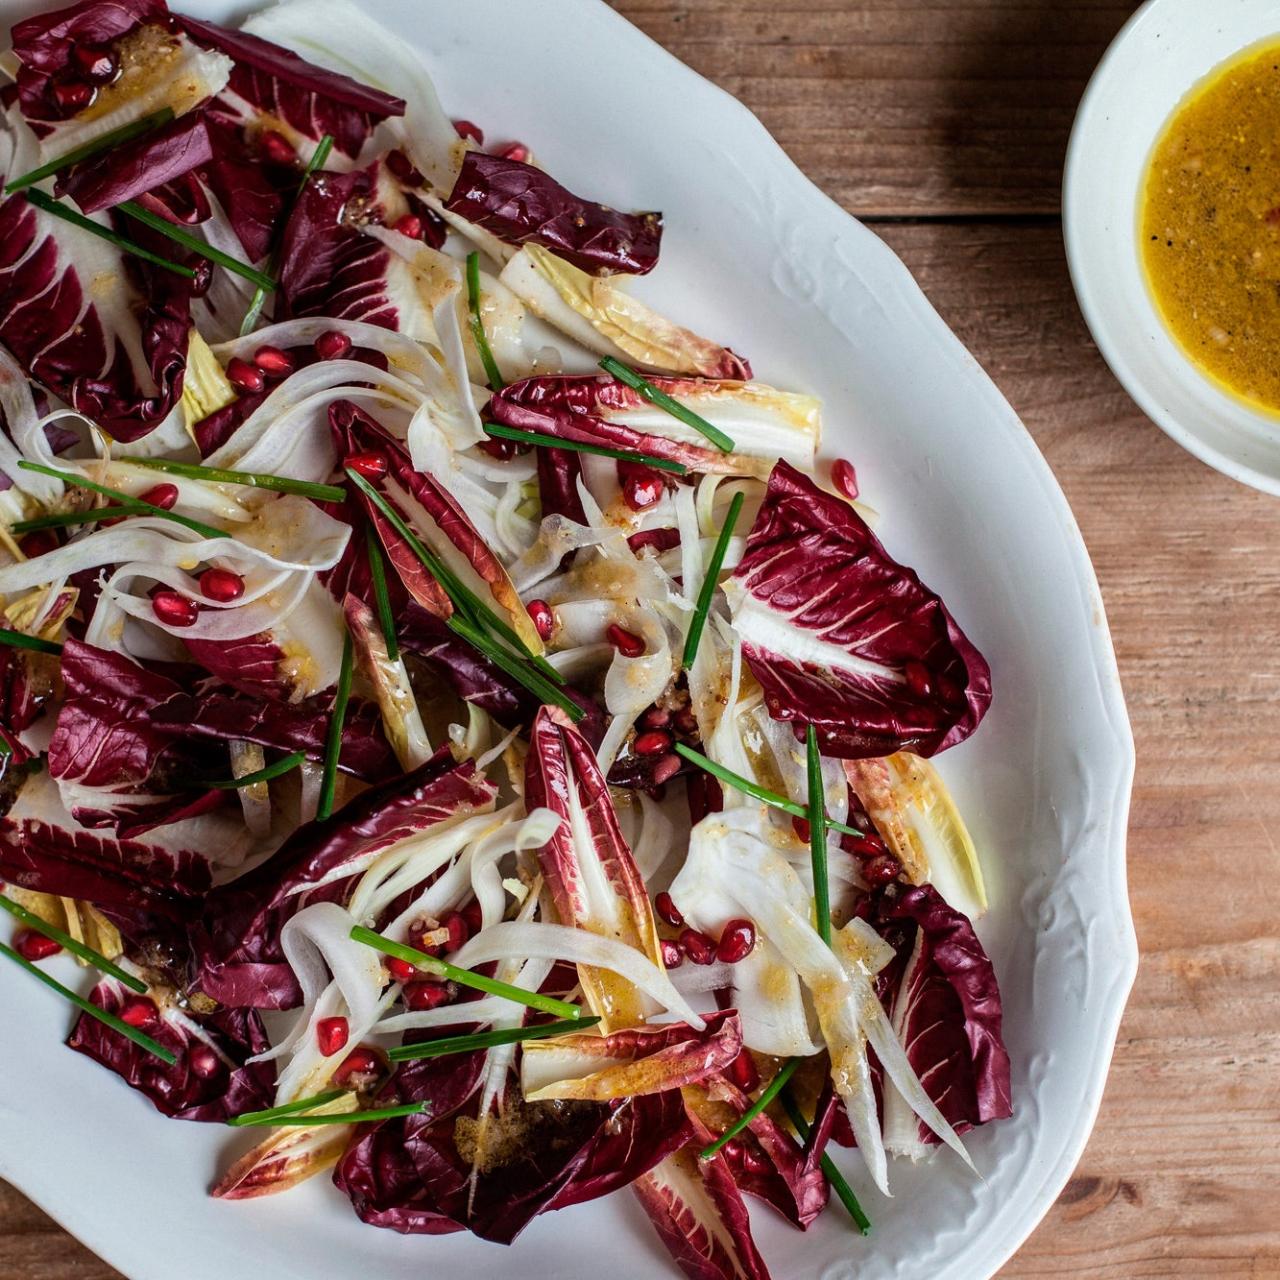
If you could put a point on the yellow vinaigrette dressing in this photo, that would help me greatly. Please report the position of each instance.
(1210, 225)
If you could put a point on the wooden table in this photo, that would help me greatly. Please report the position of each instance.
(944, 122)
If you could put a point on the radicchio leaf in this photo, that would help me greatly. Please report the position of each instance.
(842, 637)
(519, 203)
(241, 963)
(210, 1080)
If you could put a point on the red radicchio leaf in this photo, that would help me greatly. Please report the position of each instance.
(253, 195)
(950, 1009)
(209, 1081)
(558, 473)
(127, 171)
(842, 637)
(521, 204)
(278, 83)
(241, 963)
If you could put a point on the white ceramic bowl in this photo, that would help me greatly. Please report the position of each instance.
(1159, 56)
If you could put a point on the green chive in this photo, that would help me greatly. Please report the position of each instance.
(465, 978)
(763, 794)
(51, 206)
(68, 477)
(195, 244)
(491, 369)
(280, 767)
(577, 446)
(254, 479)
(69, 518)
(287, 1108)
(20, 640)
(5, 749)
(343, 1117)
(86, 1006)
(333, 743)
(318, 157)
(661, 400)
(95, 958)
(381, 597)
(487, 1040)
(707, 594)
(818, 837)
(125, 133)
(833, 1175)
(775, 1086)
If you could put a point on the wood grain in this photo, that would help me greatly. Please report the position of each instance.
(954, 117)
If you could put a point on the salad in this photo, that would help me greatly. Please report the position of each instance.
(481, 751)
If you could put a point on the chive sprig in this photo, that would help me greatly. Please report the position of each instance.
(333, 741)
(767, 1095)
(579, 446)
(275, 770)
(491, 370)
(487, 1039)
(77, 948)
(660, 400)
(708, 590)
(252, 479)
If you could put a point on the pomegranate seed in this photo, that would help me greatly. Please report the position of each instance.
(36, 544)
(458, 931)
(626, 643)
(373, 466)
(32, 945)
(666, 769)
(544, 621)
(161, 495)
(244, 376)
(73, 95)
(502, 450)
(878, 871)
(204, 1062)
(361, 1068)
(737, 941)
(333, 344)
(175, 609)
(668, 910)
(652, 743)
(221, 585)
(277, 148)
(409, 225)
(845, 478)
(465, 129)
(402, 167)
(640, 487)
(400, 970)
(918, 680)
(733, 1150)
(697, 946)
(868, 846)
(802, 829)
(656, 718)
(428, 995)
(515, 151)
(744, 1072)
(332, 1035)
(686, 721)
(672, 956)
(474, 917)
(95, 63)
(140, 1012)
(274, 362)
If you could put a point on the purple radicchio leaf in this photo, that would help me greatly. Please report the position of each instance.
(241, 963)
(210, 1080)
(842, 637)
(520, 204)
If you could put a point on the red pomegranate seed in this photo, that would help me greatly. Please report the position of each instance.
(918, 680)
(373, 466)
(744, 1072)
(409, 225)
(878, 871)
(204, 1062)
(332, 1035)
(502, 450)
(277, 148)
(244, 376)
(361, 1068)
(32, 945)
(802, 829)
(672, 956)
(174, 608)
(697, 946)
(737, 941)
(686, 721)
(400, 970)
(333, 344)
(640, 487)
(544, 620)
(94, 62)
(668, 910)
(73, 95)
(458, 931)
(474, 917)
(402, 167)
(428, 995)
(515, 151)
(845, 478)
(652, 743)
(868, 846)
(140, 1012)
(161, 495)
(666, 769)
(221, 585)
(37, 543)
(626, 643)
(465, 129)
(274, 362)
(656, 718)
